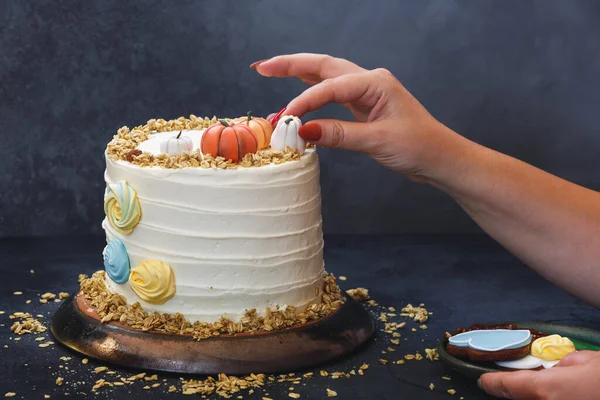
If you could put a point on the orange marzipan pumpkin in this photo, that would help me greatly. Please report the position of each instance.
(261, 128)
(232, 142)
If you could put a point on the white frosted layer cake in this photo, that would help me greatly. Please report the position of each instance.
(212, 242)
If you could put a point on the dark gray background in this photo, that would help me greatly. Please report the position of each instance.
(522, 77)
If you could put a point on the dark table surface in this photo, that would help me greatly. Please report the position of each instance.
(461, 279)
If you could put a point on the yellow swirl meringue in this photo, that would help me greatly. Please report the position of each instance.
(552, 348)
(122, 207)
(153, 281)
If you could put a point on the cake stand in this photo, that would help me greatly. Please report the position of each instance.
(77, 326)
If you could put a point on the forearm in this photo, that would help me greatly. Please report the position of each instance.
(549, 223)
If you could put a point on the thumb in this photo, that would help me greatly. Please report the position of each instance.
(354, 136)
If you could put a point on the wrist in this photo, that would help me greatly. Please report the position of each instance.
(447, 157)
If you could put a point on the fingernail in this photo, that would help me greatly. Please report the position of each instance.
(479, 383)
(277, 116)
(257, 63)
(310, 132)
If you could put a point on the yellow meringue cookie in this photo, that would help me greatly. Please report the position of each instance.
(153, 281)
(552, 348)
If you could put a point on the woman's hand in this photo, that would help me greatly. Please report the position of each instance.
(575, 377)
(549, 223)
(393, 127)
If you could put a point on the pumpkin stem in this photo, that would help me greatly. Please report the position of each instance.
(249, 115)
(178, 135)
(287, 121)
(223, 122)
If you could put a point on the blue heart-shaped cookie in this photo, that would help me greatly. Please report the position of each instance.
(490, 345)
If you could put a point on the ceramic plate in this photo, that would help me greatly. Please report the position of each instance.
(580, 336)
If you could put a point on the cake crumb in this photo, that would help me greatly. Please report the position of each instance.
(59, 381)
(10, 394)
(431, 386)
(331, 393)
(172, 389)
(359, 294)
(400, 362)
(63, 295)
(446, 378)
(432, 354)
(383, 361)
(418, 314)
(225, 386)
(136, 377)
(337, 375)
(342, 278)
(294, 395)
(100, 369)
(324, 373)
(451, 392)
(84, 361)
(395, 342)
(46, 396)
(17, 294)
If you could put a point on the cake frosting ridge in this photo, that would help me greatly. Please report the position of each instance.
(235, 239)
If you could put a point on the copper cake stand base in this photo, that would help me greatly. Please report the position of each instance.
(75, 326)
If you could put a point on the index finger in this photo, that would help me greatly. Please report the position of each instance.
(511, 385)
(313, 67)
(344, 89)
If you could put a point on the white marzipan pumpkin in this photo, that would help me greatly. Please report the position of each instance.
(176, 145)
(286, 135)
